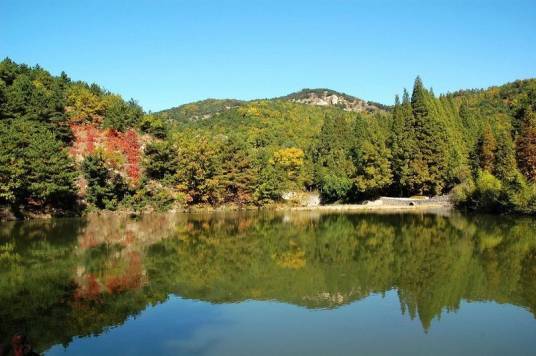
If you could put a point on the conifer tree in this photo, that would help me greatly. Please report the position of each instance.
(403, 144)
(487, 146)
(372, 159)
(397, 140)
(427, 151)
(505, 157)
(33, 165)
(333, 165)
(526, 146)
(106, 188)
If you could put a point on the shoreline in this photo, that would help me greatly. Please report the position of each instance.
(425, 208)
(372, 208)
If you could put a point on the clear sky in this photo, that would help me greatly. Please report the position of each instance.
(165, 53)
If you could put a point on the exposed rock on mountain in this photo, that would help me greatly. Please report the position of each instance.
(327, 97)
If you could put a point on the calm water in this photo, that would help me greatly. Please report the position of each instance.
(271, 284)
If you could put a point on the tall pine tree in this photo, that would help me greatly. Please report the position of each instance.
(526, 146)
(333, 164)
(372, 159)
(403, 145)
(487, 145)
(427, 149)
(505, 158)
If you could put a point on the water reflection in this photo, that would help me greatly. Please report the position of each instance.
(65, 278)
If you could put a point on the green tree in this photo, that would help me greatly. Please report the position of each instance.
(34, 166)
(105, 189)
(333, 165)
(238, 176)
(10, 70)
(427, 167)
(487, 146)
(270, 186)
(160, 160)
(505, 157)
(403, 146)
(372, 159)
(153, 125)
(121, 115)
(198, 169)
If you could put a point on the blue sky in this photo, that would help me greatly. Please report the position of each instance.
(165, 53)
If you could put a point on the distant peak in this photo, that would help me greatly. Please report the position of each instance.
(329, 97)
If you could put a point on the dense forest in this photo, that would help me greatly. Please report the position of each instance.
(67, 146)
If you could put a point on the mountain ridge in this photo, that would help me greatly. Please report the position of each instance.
(206, 108)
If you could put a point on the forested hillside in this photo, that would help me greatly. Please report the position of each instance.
(199, 110)
(206, 109)
(67, 146)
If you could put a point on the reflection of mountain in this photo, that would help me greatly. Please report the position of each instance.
(86, 276)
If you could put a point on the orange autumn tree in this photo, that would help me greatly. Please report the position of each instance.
(526, 146)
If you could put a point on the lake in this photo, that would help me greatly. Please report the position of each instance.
(271, 283)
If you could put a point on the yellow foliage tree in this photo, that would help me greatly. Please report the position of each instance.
(290, 160)
(84, 106)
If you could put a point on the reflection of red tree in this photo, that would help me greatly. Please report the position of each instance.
(120, 267)
(129, 238)
(89, 289)
(244, 224)
(132, 277)
(88, 240)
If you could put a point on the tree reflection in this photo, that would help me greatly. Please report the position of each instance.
(66, 278)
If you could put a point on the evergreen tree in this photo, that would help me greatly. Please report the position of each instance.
(10, 70)
(333, 165)
(270, 185)
(372, 159)
(403, 145)
(105, 189)
(526, 146)
(121, 115)
(18, 95)
(160, 160)
(238, 175)
(487, 145)
(3, 99)
(505, 157)
(397, 140)
(427, 152)
(34, 166)
(418, 102)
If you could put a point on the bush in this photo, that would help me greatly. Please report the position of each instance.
(489, 193)
(151, 194)
(462, 194)
(333, 187)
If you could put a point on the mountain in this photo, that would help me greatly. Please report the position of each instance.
(205, 109)
(328, 97)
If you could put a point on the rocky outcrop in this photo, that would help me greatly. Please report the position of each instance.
(327, 97)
